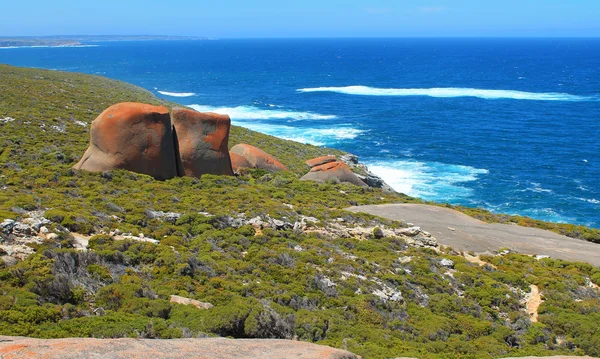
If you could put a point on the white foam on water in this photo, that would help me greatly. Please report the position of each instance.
(177, 94)
(537, 188)
(451, 92)
(312, 136)
(431, 181)
(589, 200)
(256, 113)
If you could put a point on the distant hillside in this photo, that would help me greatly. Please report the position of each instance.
(79, 40)
(262, 255)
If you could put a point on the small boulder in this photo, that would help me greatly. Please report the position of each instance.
(258, 158)
(202, 139)
(320, 161)
(131, 136)
(448, 263)
(188, 301)
(335, 171)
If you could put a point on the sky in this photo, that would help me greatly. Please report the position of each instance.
(302, 18)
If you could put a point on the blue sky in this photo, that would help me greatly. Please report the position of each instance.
(303, 18)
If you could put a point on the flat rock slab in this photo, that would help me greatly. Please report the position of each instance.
(464, 233)
(207, 348)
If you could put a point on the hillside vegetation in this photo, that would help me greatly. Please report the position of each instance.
(277, 257)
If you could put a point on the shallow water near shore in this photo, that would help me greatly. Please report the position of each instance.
(510, 125)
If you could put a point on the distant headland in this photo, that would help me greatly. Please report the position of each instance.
(83, 40)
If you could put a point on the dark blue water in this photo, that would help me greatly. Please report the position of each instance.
(511, 125)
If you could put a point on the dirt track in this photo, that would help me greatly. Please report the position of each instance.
(465, 233)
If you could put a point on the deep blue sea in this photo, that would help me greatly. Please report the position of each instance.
(510, 125)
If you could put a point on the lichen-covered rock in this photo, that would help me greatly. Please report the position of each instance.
(320, 160)
(210, 348)
(333, 171)
(202, 141)
(258, 158)
(131, 136)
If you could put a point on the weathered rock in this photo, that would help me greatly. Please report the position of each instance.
(170, 217)
(333, 171)
(320, 160)
(210, 348)
(258, 158)
(131, 136)
(6, 227)
(349, 158)
(187, 301)
(448, 263)
(238, 162)
(202, 140)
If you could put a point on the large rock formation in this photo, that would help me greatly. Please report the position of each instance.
(131, 136)
(209, 348)
(333, 171)
(320, 160)
(258, 158)
(202, 142)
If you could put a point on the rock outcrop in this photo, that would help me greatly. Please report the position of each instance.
(320, 160)
(333, 171)
(132, 136)
(201, 142)
(371, 179)
(210, 348)
(257, 158)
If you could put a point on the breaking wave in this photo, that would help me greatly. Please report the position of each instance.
(177, 94)
(255, 113)
(451, 92)
(432, 181)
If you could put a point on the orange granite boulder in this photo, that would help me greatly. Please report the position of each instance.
(320, 160)
(333, 171)
(238, 162)
(131, 136)
(202, 142)
(257, 158)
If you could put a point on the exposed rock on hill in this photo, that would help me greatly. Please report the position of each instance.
(257, 158)
(320, 161)
(132, 136)
(333, 171)
(80, 348)
(202, 142)
(368, 177)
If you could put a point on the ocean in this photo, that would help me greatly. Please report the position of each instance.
(510, 125)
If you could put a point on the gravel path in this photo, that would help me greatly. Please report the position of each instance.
(465, 233)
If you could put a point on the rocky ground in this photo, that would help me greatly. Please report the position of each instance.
(221, 348)
(464, 233)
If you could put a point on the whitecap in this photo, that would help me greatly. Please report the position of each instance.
(312, 136)
(450, 92)
(537, 188)
(177, 94)
(589, 200)
(427, 180)
(255, 113)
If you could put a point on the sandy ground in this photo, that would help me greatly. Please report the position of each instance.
(534, 300)
(468, 234)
